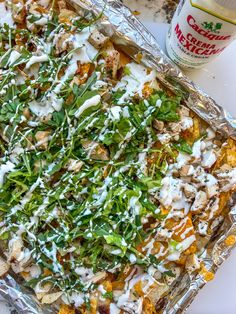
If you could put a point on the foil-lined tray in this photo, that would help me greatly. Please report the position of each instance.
(133, 38)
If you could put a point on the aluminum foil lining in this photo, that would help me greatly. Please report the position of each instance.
(133, 38)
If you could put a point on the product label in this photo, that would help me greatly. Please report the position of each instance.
(197, 36)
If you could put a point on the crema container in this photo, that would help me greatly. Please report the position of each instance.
(200, 31)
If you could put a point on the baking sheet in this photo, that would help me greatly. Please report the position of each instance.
(132, 37)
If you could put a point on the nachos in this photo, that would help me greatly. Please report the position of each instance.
(110, 187)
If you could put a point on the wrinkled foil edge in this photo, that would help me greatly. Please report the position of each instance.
(19, 297)
(128, 32)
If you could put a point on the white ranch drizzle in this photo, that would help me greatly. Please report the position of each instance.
(91, 102)
(5, 16)
(4, 169)
(181, 247)
(36, 59)
(134, 82)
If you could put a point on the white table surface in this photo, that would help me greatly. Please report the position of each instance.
(218, 79)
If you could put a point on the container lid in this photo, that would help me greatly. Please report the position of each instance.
(228, 4)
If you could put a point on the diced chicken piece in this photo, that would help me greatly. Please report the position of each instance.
(203, 227)
(4, 267)
(95, 150)
(186, 170)
(192, 263)
(27, 113)
(61, 5)
(176, 137)
(97, 39)
(212, 190)
(33, 270)
(132, 306)
(61, 42)
(175, 127)
(112, 59)
(200, 202)
(227, 179)
(99, 276)
(18, 264)
(157, 292)
(15, 249)
(42, 290)
(35, 8)
(190, 191)
(163, 234)
(198, 174)
(183, 111)
(212, 208)
(17, 267)
(50, 298)
(74, 165)
(66, 16)
(158, 125)
(42, 138)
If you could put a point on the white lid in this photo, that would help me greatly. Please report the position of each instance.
(228, 4)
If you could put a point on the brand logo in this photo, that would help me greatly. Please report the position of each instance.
(207, 30)
(213, 27)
